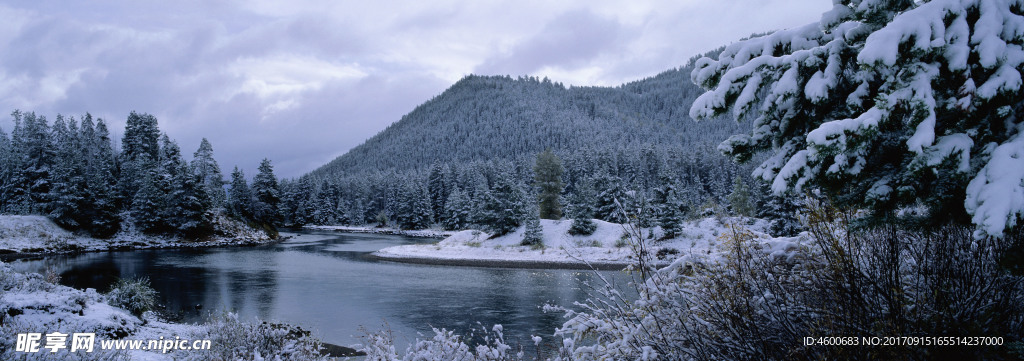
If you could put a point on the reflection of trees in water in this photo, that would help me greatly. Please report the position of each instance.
(458, 298)
(242, 282)
(216, 279)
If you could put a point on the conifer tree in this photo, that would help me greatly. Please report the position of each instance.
(438, 190)
(205, 167)
(147, 206)
(533, 234)
(669, 206)
(883, 105)
(503, 204)
(6, 171)
(608, 206)
(548, 178)
(582, 209)
(67, 183)
(240, 196)
(33, 151)
(101, 210)
(266, 195)
(458, 211)
(739, 199)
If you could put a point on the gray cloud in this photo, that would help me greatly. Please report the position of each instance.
(571, 39)
(301, 83)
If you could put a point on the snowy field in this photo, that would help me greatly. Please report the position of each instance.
(38, 234)
(608, 245)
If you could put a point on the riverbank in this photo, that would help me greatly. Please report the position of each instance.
(424, 233)
(35, 304)
(33, 236)
(609, 247)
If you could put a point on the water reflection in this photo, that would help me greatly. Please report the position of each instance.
(324, 282)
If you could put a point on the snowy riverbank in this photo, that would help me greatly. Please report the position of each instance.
(425, 233)
(31, 235)
(607, 248)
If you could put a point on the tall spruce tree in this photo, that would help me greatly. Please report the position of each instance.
(438, 189)
(68, 188)
(266, 195)
(548, 179)
(32, 148)
(6, 171)
(670, 208)
(240, 196)
(140, 153)
(100, 179)
(205, 167)
(582, 209)
(503, 206)
(457, 211)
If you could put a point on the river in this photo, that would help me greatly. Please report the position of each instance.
(323, 282)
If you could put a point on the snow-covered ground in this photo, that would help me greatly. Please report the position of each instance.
(38, 234)
(608, 245)
(426, 233)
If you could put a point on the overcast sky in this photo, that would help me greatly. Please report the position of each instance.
(302, 81)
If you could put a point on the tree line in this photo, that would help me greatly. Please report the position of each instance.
(71, 172)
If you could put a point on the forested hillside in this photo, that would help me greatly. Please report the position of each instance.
(499, 117)
(469, 152)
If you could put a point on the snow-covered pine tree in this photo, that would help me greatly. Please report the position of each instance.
(205, 167)
(548, 179)
(533, 234)
(581, 209)
(438, 190)
(414, 206)
(885, 104)
(99, 178)
(670, 208)
(266, 195)
(457, 211)
(147, 207)
(781, 213)
(240, 196)
(608, 205)
(6, 171)
(356, 214)
(503, 206)
(187, 205)
(33, 153)
(739, 199)
(67, 183)
(141, 138)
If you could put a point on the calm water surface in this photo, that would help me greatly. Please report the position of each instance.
(324, 282)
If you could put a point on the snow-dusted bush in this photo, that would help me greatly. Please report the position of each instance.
(762, 297)
(445, 345)
(237, 340)
(133, 294)
(885, 104)
(582, 227)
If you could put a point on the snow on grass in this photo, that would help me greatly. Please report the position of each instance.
(38, 234)
(609, 244)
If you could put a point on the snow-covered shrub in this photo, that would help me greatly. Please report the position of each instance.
(582, 227)
(133, 294)
(763, 296)
(445, 345)
(237, 340)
